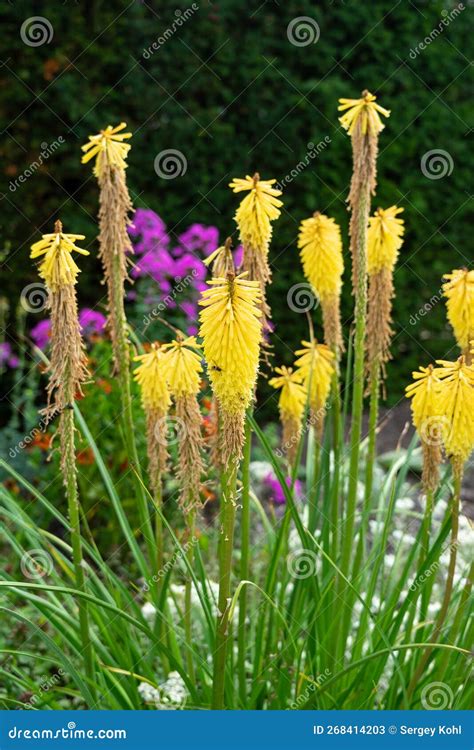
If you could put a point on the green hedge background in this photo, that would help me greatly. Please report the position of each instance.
(231, 92)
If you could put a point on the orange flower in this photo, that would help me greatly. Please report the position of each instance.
(85, 457)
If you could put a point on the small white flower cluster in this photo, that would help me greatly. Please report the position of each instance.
(171, 695)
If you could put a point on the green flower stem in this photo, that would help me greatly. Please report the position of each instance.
(122, 357)
(373, 418)
(358, 386)
(336, 422)
(188, 599)
(157, 592)
(425, 545)
(70, 478)
(244, 559)
(228, 507)
(455, 502)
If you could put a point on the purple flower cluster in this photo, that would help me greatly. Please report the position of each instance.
(91, 322)
(173, 264)
(7, 358)
(275, 490)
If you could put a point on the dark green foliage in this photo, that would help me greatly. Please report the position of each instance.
(234, 95)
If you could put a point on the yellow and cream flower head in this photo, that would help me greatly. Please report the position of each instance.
(459, 291)
(151, 377)
(182, 366)
(384, 239)
(291, 405)
(456, 404)
(182, 369)
(58, 267)
(315, 364)
(257, 210)
(231, 330)
(363, 112)
(254, 218)
(68, 362)
(108, 147)
(156, 400)
(321, 255)
(428, 420)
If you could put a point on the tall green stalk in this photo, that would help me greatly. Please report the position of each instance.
(228, 508)
(69, 467)
(358, 385)
(448, 590)
(122, 356)
(188, 598)
(244, 559)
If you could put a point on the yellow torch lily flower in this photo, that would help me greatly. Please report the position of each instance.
(182, 366)
(58, 267)
(363, 111)
(291, 405)
(384, 239)
(257, 210)
(151, 377)
(231, 331)
(429, 421)
(321, 255)
(459, 291)
(109, 148)
(316, 366)
(456, 401)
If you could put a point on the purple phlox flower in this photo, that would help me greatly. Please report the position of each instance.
(201, 238)
(276, 493)
(91, 321)
(148, 225)
(6, 355)
(41, 333)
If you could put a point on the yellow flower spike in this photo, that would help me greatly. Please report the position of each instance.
(456, 403)
(109, 148)
(254, 218)
(182, 366)
(257, 210)
(291, 405)
(231, 330)
(459, 291)
(58, 267)
(429, 421)
(293, 395)
(151, 377)
(384, 239)
(315, 363)
(182, 369)
(363, 112)
(320, 243)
